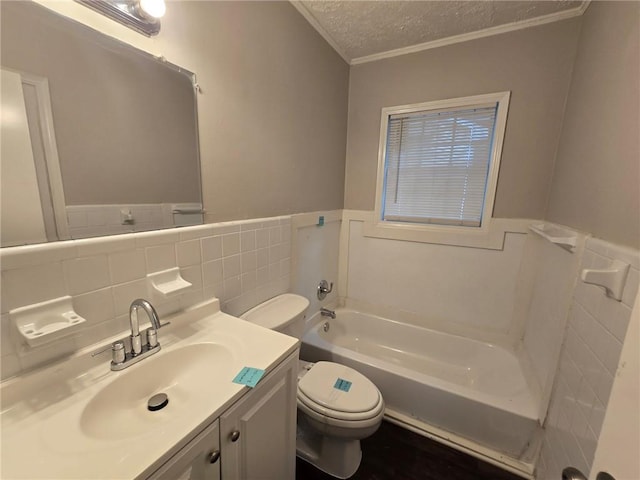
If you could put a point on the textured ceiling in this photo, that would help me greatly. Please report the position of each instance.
(362, 28)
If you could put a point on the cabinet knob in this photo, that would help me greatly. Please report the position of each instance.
(214, 456)
(234, 436)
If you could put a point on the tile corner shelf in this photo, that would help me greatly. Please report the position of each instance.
(44, 322)
(562, 237)
(167, 283)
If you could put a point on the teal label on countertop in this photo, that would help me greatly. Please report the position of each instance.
(249, 376)
(342, 384)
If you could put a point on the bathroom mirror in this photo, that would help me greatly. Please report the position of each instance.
(101, 138)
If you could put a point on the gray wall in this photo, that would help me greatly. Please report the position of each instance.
(596, 185)
(534, 64)
(273, 112)
(273, 109)
(125, 123)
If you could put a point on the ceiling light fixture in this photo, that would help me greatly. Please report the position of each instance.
(153, 9)
(143, 16)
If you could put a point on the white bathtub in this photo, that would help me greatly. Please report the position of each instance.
(472, 389)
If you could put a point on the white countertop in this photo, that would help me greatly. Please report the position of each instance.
(42, 428)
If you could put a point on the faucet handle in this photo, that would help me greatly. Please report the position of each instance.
(111, 347)
(152, 337)
(324, 289)
(118, 353)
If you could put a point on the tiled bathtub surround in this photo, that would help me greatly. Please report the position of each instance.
(315, 257)
(456, 289)
(242, 263)
(588, 362)
(551, 271)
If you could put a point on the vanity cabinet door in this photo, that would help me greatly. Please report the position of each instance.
(198, 460)
(258, 433)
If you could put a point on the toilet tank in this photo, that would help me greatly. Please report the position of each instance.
(285, 313)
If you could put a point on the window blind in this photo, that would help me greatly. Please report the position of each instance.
(437, 164)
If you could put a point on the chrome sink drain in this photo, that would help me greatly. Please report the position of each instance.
(157, 402)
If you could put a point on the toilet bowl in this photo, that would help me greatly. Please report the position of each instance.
(337, 406)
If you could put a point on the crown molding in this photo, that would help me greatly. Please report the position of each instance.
(465, 37)
(306, 13)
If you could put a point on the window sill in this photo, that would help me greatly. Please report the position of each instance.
(489, 236)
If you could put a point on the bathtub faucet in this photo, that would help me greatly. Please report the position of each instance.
(325, 312)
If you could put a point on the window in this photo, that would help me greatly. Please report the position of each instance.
(439, 161)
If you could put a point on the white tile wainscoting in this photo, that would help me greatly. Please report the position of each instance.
(243, 263)
(86, 221)
(593, 342)
(246, 262)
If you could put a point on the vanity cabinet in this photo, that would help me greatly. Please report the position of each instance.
(258, 433)
(254, 438)
(198, 460)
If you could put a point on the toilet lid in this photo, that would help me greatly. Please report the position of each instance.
(339, 388)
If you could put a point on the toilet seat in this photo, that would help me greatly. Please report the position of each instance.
(327, 415)
(339, 392)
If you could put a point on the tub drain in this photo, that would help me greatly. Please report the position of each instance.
(157, 402)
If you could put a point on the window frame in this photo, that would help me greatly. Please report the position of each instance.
(502, 100)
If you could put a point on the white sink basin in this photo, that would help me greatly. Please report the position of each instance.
(188, 376)
(85, 421)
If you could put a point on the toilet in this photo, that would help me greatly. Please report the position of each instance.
(337, 406)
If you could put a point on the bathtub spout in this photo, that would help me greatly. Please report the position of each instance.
(325, 312)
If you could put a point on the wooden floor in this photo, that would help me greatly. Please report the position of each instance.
(398, 454)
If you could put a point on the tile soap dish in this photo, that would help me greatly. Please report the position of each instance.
(167, 283)
(44, 322)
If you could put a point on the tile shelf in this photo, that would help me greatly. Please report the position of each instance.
(562, 237)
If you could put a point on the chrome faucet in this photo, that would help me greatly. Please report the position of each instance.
(325, 312)
(120, 358)
(152, 333)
